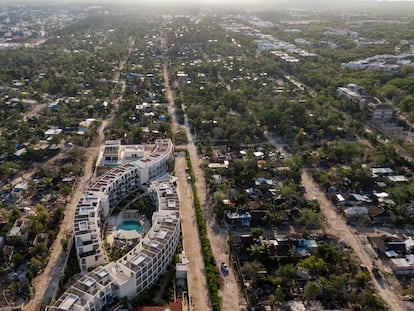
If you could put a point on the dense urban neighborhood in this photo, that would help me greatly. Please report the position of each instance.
(207, 157)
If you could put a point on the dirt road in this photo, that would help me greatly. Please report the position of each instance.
(45, 284)
(337, 226)
(197, 282)
(231, 298)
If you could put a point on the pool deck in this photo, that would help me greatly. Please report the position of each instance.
(114, 221)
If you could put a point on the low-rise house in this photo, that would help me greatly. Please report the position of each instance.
(307, 248)
(341, 200)
(20, 188)
(358, 212)
(181, 268)
(361, 198)
(398, 178)
(257, 210)
(19, 153)
(403, 266)
(242, 219)
(377, 214)
(53, 131)
(246, 240)
(18, 231)
(283, 247)
(87, 123)
(217, 179)
(392, 243)
(381, 171)
(263, 181)
(381, 196)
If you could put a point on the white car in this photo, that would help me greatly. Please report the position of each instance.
(224, 267)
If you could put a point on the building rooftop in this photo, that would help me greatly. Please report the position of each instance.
(68, 302)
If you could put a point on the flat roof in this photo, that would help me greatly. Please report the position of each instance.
(398, 178)
(172, 203)
(169, 220)
(381, 170)
(88, 282)
(85, 210)
(162, 234)
(83, 225)
(68, 302)
(400, 262)
(340, 198)
(139, 259)
(102, 273)
(14, 231)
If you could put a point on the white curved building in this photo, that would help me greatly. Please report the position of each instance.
(106, 192)
(142, 266)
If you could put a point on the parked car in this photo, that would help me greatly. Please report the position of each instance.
(224, 268)
(407, 298)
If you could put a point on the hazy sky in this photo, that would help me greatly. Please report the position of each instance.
(256, 3)
(197, 1)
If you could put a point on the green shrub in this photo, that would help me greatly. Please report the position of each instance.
(209, 260)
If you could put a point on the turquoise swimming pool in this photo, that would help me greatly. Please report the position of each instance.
(130, 225)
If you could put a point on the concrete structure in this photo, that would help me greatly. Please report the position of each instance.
(403, 266)
(106, 192)
(142, 266)
(384, 62)
(348, 92)
(87, 227)
(114, 154)
(381, 112)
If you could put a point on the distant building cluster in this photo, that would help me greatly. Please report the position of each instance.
(379, 111)
(341, 32)
(267, 42)
(385, 62)
(24, 26)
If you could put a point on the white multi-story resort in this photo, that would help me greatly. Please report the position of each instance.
(140, 267)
